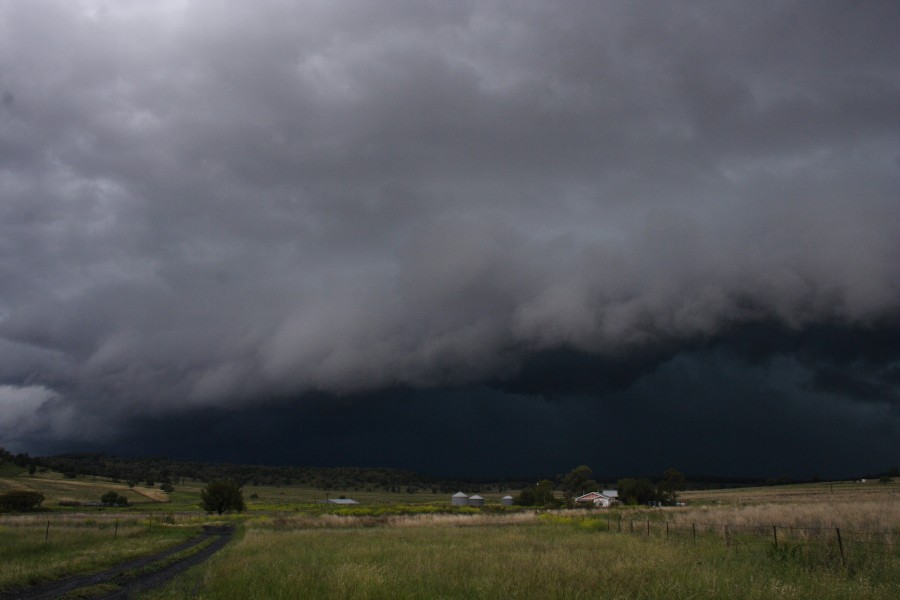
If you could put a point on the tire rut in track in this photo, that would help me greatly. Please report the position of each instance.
(130, 584)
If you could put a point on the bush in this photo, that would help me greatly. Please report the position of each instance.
(113, 499)
(221, 496)
(21, 500)
(539, 495)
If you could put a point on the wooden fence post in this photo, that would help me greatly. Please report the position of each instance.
(840, 545)
(694, 531)
(775, 534)
(116, 531)
(667, 530)
(47, 533)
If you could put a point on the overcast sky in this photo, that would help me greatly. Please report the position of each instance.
(471, 237)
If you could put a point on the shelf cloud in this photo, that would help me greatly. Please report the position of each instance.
(208, 205)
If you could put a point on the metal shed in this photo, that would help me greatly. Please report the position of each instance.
(476, 500)
(460, 499)
(507, 500)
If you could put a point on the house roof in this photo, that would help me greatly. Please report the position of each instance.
(476, 497)
(460, 495)
(611, 493)
(588, 497)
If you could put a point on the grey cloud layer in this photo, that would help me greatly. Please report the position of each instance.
(205, 202)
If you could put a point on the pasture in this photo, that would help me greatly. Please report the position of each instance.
(42, 547)
(399, 545)
(684, 552)
(525, 555)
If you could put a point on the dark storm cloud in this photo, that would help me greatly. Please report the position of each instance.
(212, 204)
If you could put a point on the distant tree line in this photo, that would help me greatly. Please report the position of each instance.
(166, 473)
(580, 481)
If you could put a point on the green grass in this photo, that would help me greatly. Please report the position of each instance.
(544, 559)
(31, 553)
(399, 545)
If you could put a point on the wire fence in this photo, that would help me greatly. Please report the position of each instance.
(830, 543)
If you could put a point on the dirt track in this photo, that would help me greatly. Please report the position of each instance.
(122, 575)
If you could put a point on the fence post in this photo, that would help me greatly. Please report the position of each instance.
(648, 527)
(116, 531)
(667, 530)
(47, 533)
(775, 534)
(694, 531)
(840, 545)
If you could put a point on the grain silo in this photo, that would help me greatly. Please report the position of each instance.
(476, 500)
(460, 499)
(507, 500)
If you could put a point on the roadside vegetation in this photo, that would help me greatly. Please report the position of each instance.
(38, 548)
(520, 556)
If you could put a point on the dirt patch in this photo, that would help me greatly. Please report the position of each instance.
(134, 576)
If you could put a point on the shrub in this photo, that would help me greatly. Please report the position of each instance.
(221, 496)
(21, 500)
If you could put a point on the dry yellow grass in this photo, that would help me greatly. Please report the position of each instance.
(329, 521)
(56, 489)
(854, 491)
(866, 515)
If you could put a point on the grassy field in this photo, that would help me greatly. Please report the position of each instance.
(722, 545)
(719, 548)
(825, 492)
(513, 556)
(35, 548)
(186, 497)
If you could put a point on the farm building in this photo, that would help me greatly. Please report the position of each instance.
(459, 499)
(476, 500)
(595, 498)
(343, 501)
(507, 500)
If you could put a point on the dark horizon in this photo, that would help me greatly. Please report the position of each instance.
(604, 479)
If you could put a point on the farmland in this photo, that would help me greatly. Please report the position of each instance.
(413, 546)
(551, 555)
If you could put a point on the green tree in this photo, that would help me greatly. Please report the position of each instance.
(21, 500)
(579, 481)
(636, 491)
(539, 495)
(167, 487)
(222, 495)
(673, 481)
(109, 498)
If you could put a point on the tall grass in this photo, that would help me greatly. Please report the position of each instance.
(35, 548)
(879, 515)
(452, 557)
